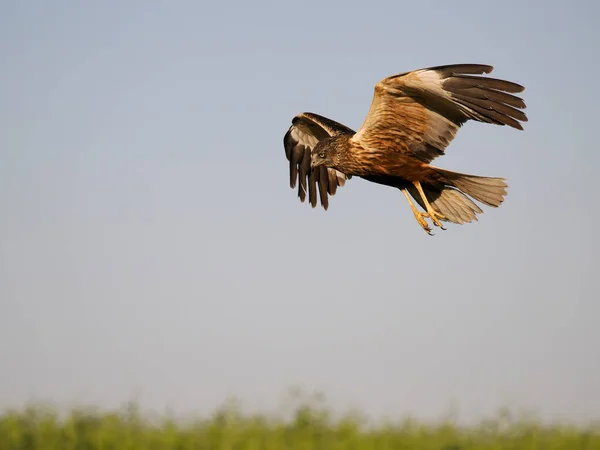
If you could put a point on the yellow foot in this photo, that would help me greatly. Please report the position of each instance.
(431, 213)
(435, 218)
(420, 216)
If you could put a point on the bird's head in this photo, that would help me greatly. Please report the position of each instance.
(325, 154)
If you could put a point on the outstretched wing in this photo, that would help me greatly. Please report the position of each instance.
(306, 130)
(420, 112)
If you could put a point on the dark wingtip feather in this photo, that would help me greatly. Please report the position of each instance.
(312, 187)
(492, 106)
(304, 171)
(287, 143)
(323, 186)
(489, 94)
(333, 182)
(487, 99)
(455, 69)
(469, 81)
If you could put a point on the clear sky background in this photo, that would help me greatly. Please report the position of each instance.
(150, 244)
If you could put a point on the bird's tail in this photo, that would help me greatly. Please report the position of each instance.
(450, 196)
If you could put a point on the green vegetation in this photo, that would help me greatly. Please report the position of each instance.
(308, 428)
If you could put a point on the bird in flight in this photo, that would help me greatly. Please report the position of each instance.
(412, 119)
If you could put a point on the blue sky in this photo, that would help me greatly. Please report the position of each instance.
(151, 246)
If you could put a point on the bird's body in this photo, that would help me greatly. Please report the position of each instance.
(412, 119)
(380, 166)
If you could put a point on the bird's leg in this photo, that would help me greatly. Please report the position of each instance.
(431, 213)
(418, 214)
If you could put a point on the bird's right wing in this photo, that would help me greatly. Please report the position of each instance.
(419, 113)
(306, 131)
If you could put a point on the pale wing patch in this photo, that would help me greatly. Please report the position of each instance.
(302, 134)
(440, 131)
(426, 81)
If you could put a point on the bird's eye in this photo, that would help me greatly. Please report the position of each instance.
(322, 155)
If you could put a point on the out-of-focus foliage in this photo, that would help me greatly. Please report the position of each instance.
(308, 428)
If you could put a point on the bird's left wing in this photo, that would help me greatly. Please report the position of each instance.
(306, 130)
(420, 112)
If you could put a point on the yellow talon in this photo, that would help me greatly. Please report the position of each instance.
(420, 216)
(431, 213)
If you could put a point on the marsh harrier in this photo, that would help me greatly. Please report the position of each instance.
(413, 118)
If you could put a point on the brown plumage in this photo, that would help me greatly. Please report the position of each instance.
(412, 119)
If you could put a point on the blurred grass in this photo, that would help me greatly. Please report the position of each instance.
(310, 427)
